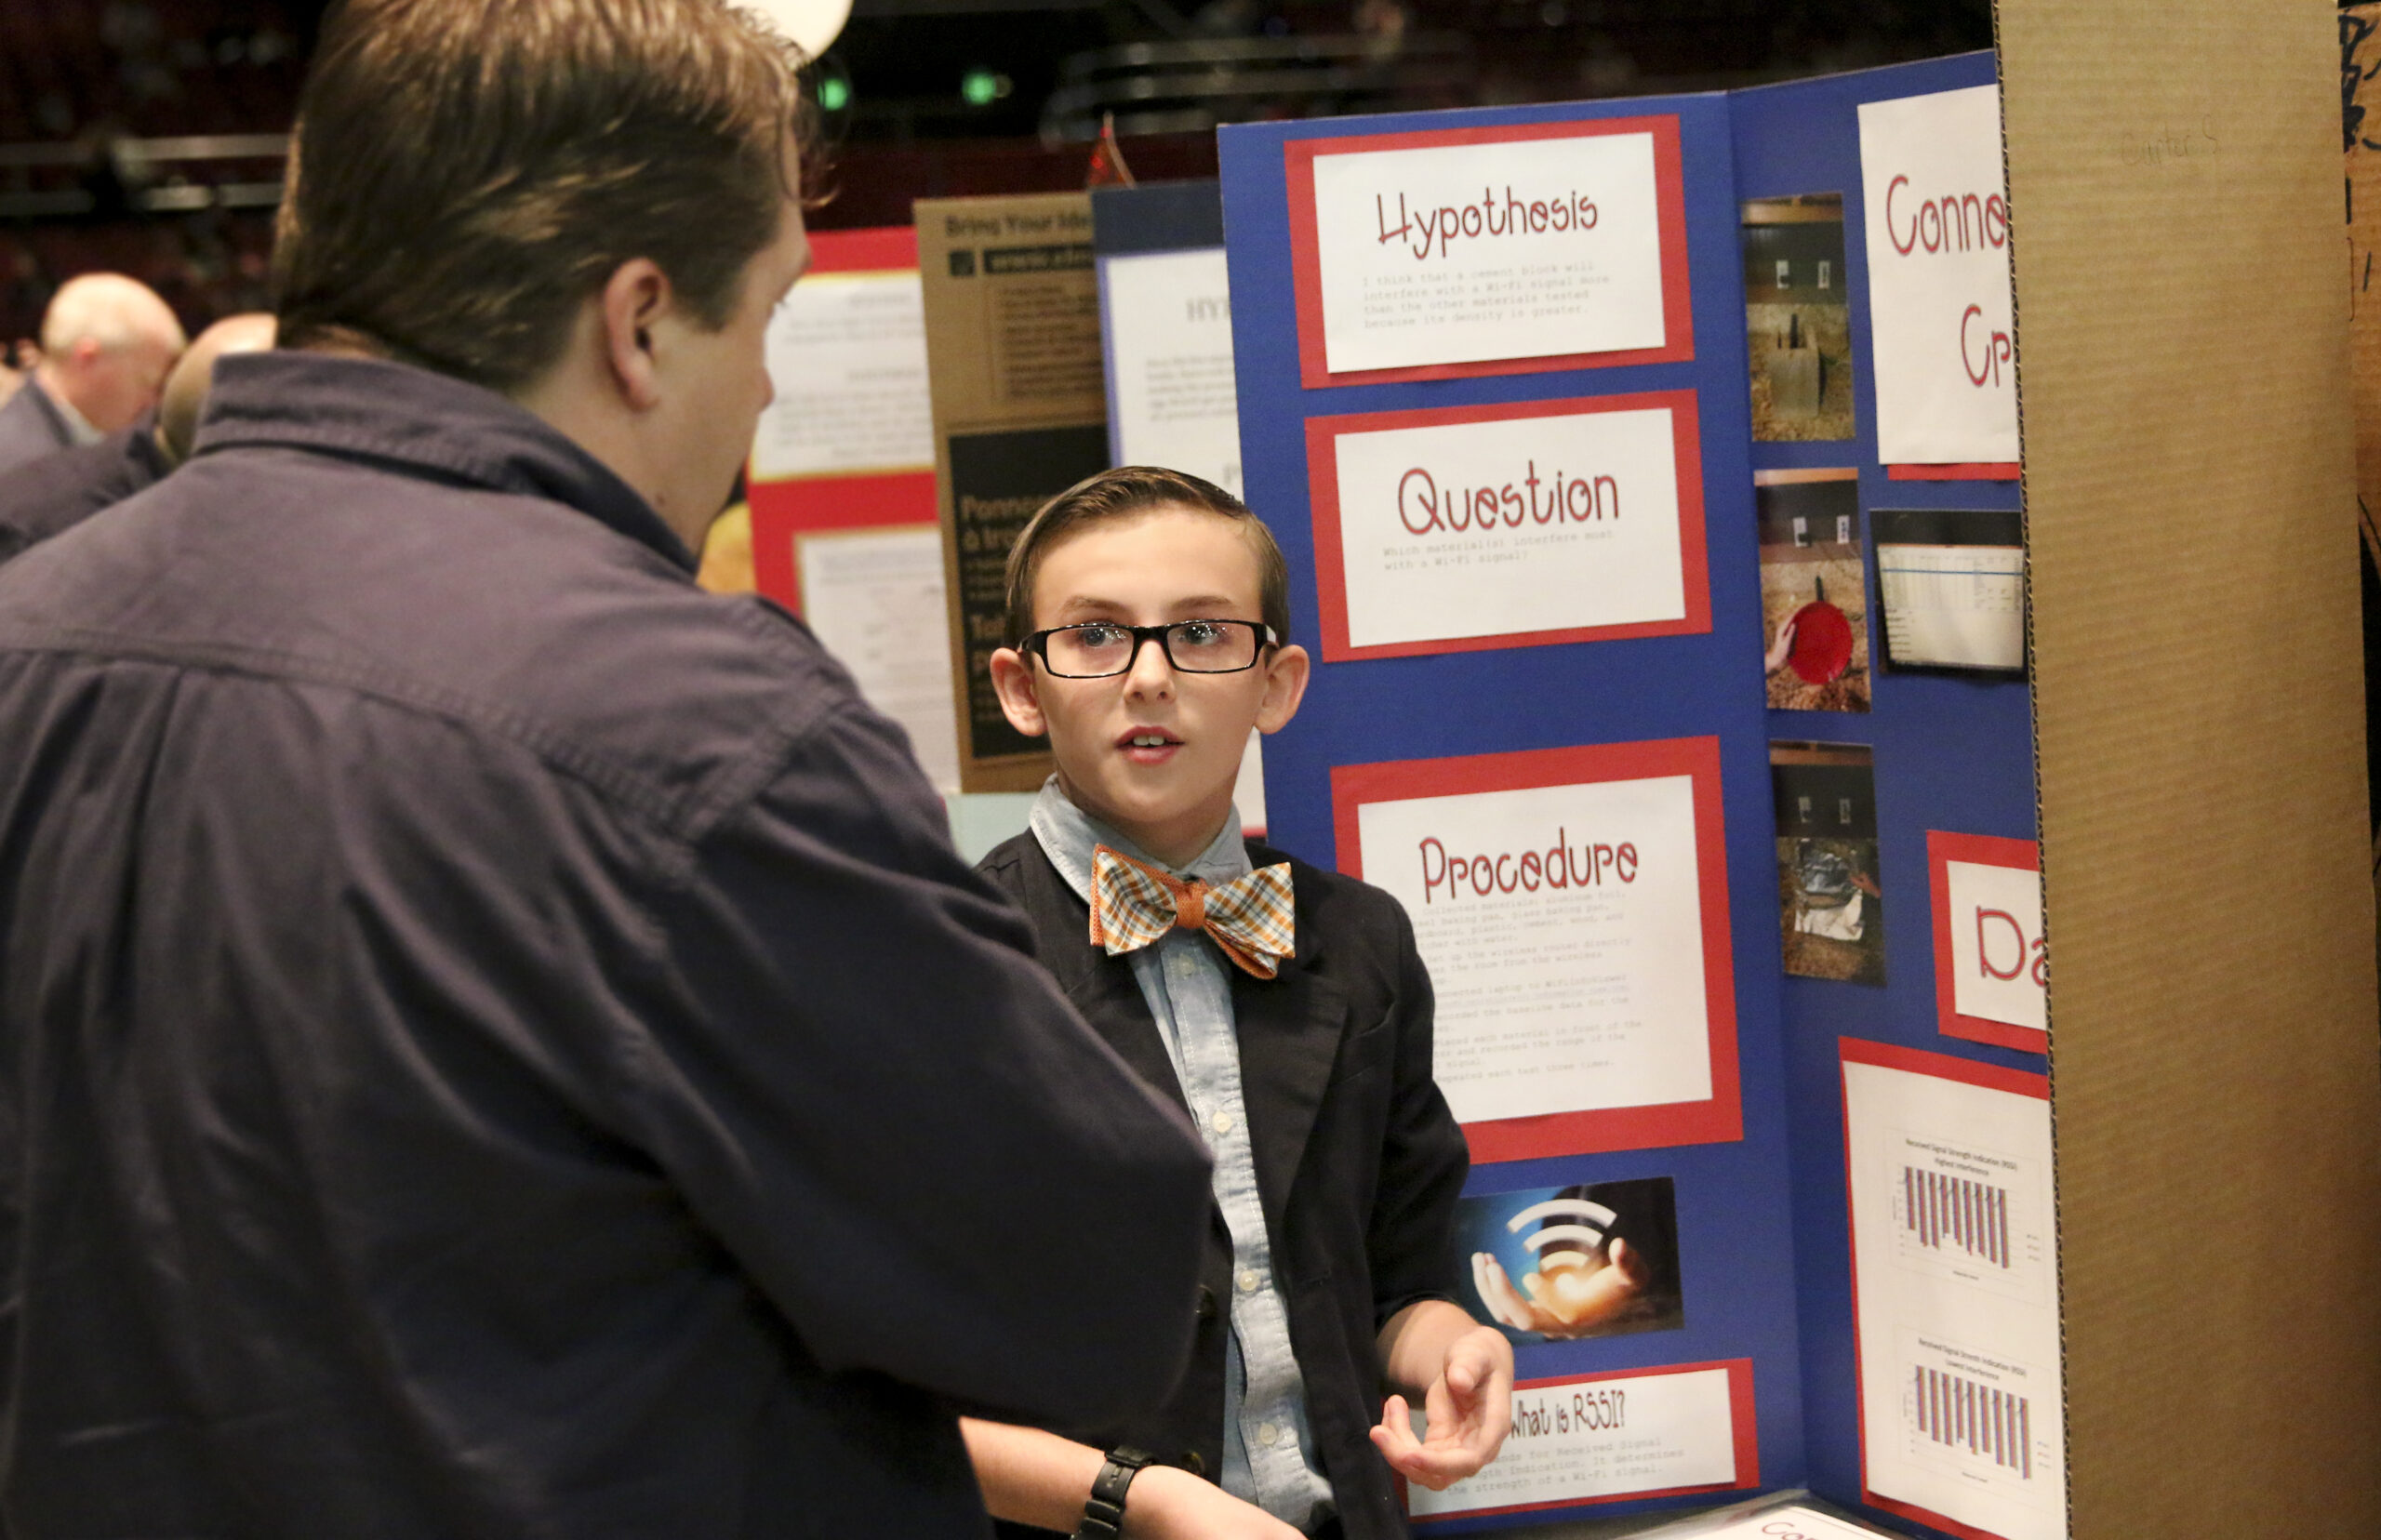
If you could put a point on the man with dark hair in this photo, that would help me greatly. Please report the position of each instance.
(495, 1041)
(106, 343)
(57, 492)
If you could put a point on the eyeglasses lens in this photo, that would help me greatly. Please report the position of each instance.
(1195, 647)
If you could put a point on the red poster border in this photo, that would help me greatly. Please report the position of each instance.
(1306, 266)
(1966, 471)
(1716, 1119)
(1323, 435)
(1942, 849)
(1744, 1427)
(1916, 1061)
(785, 510)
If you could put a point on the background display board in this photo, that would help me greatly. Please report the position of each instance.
(841, 481)
(1165, 339)
(1407, 276)
(1012, 315)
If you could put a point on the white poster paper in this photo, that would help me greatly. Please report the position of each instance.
(1248, 788)
(1961, 606)
(1563, 927)
(847, 357)
(1791, 1522)
(1171, 398)
(1998, 962)
(1503, 527)
(1605, 1437)
(875, 599)
(1940, 310)
(1955, 1264)
(1471, 253)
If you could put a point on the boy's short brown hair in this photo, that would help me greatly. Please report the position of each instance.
(1122, 493)
(466, 173)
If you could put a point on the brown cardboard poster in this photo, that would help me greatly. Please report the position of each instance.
(2360, 139)
(1021, 413)
(2208, 1055)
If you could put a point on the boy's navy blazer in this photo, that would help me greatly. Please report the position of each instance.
(1358, 1160)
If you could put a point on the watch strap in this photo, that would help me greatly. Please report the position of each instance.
(1103, 1515)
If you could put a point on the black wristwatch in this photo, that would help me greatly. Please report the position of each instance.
(1103, 1516)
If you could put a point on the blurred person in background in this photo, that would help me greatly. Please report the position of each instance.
(106, 343)
(496, 1041)
(53, 493)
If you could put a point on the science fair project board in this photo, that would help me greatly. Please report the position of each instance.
(841, 481)
(1760, 1180)
(1165, 345)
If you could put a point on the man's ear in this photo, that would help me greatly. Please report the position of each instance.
(1285, 677)
(634, 300)
(1013, 677)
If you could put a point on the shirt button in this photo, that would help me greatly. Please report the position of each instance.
(1268, 1435)
(1220, 1122)
(1248, 1280)
(1192, 1463)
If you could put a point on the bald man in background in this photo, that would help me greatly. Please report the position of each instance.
(53, 493)
(106, 343)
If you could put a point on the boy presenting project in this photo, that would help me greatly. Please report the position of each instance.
(1283, 1006)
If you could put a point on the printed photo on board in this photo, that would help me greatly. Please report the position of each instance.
(1813, 589)
(1557, 1264)
(1830, 896)
(1951, 583)
(1798, 318)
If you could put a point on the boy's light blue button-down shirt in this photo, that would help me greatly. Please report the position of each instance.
(1269, 1450)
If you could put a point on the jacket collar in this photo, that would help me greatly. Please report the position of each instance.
(423, 421)
(61, 417)
(1069, 837)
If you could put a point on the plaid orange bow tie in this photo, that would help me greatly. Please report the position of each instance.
(1250, 918)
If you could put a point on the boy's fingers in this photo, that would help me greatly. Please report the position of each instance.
(1393, 1434)
(1439, 1468)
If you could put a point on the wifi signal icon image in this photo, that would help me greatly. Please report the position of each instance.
(1581, 1280)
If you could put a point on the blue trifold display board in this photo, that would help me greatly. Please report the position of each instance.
(1761, 1230)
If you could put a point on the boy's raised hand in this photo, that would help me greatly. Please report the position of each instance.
(1468, 1408)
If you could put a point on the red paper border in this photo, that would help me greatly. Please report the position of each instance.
(785, 510)
(1306, 268)
(1719, 1119)
(1745, 1427)
(1967, 470)
(1977, 850)
(1917, 1061)
(1323, 435)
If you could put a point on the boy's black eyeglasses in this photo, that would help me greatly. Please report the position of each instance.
(1099, 649)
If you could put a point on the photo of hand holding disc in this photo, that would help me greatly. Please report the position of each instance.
(1578, 1262)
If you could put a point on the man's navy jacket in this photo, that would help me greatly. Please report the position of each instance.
(53, 493)
(495, 1041)
(31, 426)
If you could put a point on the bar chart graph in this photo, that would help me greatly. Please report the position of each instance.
(1982, 1421)
(1947, 1213)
